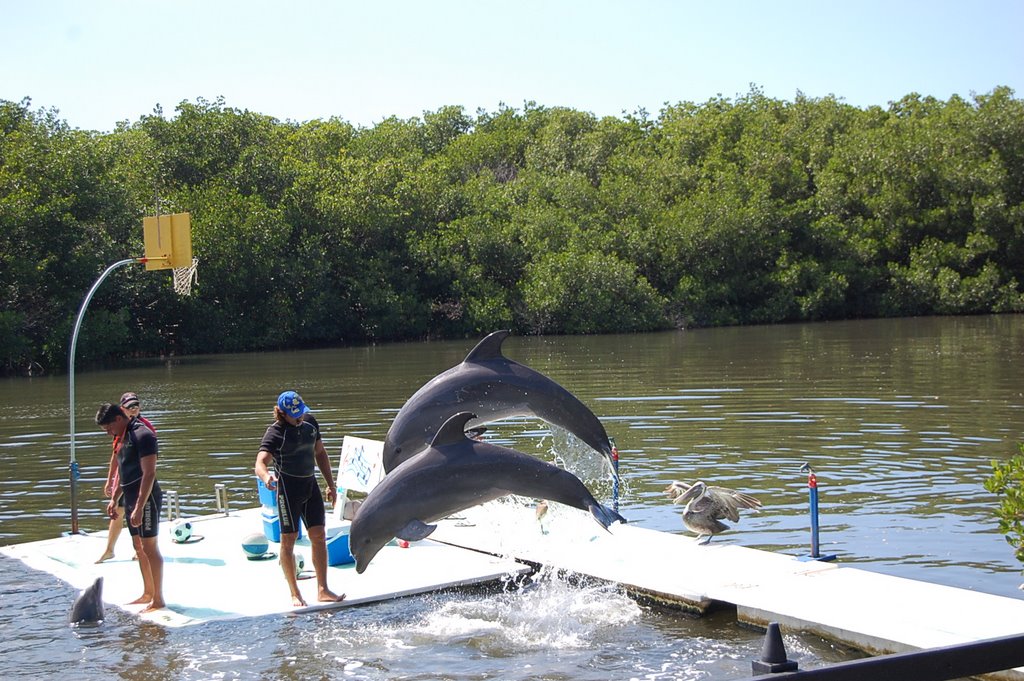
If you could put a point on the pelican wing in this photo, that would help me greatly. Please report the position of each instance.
(725, 500)
(729, 502)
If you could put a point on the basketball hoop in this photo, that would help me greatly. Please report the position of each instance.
(184, 277)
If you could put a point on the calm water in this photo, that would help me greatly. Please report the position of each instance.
(899, 418)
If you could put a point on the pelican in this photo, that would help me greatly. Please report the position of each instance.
(542, 515)
(706, 506)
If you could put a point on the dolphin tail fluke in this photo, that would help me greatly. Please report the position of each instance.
(605, 515)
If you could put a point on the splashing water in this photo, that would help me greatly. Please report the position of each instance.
(548, 612)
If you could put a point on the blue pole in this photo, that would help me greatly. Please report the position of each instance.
(812, 486)
(812, 490)
(615, 476)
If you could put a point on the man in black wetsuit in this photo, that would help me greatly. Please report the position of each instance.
(136, 465)
(292, 444)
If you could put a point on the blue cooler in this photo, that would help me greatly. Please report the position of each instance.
(268, 510)
(338, 552)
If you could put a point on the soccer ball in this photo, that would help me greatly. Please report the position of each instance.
(181, 531)
(300, 564)
(255, 546)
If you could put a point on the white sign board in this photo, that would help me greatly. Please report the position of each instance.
(361, 467)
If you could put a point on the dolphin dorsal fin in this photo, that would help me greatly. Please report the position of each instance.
(453, 430)
(488, 348)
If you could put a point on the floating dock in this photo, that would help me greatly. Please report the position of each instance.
(210, 578)
(876, 613)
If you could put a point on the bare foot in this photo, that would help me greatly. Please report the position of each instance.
(328, 596)
(144, 598)
(155, 605)
(298, 601)
(106, 556)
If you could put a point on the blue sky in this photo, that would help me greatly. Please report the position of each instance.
(103, 61)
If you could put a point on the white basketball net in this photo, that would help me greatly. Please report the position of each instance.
(184, 277)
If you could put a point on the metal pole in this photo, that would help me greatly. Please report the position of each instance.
(73, 468)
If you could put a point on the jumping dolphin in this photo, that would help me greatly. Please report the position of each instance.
(88, 607)
(489, 384)
(451, 475)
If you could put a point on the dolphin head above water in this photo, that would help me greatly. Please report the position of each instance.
(493, 387)
(452, 474)
(88, 607)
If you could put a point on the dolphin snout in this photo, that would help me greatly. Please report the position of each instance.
(364, 552)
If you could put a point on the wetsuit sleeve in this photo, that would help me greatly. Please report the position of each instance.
(145, 442)
(311, 420)
(271, 441)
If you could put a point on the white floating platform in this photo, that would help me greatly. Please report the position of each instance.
(876, 613)
(211, 579)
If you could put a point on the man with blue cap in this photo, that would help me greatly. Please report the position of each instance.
(293, 445)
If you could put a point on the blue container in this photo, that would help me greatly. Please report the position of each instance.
(271, 524)
(268, 497)
(268, 510)
(338, 552)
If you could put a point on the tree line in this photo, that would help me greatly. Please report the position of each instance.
(540, 219)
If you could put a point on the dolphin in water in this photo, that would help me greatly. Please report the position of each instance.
(451, 475)
(88, 607)
(494, 387)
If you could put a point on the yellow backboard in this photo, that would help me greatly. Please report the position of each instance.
(168, 241)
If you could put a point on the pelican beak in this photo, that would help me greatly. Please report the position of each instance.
(692, 493)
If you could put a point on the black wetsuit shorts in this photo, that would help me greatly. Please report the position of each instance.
(299, 498)
(150, 514)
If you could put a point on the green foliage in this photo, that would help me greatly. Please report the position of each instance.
(589, 293)
(16, 347)
(542, 220)
(1007, 481)
(60, 217)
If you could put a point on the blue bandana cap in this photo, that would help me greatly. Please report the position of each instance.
(290, 403)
